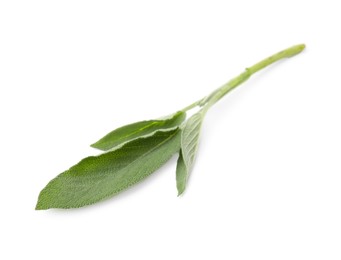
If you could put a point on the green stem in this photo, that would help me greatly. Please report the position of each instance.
(233, 83)
(192, 105)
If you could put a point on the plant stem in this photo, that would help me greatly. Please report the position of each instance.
(192, 105)
(233, 83)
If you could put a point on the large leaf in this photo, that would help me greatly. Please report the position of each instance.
(132, 131)
(189, 146)
(98, 177)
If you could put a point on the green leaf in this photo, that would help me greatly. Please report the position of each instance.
(189, 146)
(181, 174)
(139, 129)
(99, 177)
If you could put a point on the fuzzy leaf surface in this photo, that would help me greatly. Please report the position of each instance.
(139, 129)
(189, 146)
(99, 177)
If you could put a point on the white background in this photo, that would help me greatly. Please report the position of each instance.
(267, 180)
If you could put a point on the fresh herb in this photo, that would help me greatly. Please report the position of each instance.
(133, 152)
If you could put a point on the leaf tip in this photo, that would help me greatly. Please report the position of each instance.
(41, 206)
(99, 145)
(43, 202)
(181, 186)
(95, 145)
(180, 192)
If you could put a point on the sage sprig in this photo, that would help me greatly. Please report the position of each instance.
(133, 152)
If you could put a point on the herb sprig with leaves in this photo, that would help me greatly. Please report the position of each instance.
(133, 152)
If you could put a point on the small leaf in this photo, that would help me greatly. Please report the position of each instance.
(181, 174)
(98, 177)
(189, 146)
(139, 129)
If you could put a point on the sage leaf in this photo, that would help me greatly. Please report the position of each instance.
(139, 129)
(189, 146)
(181, 174)
(99, 177)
